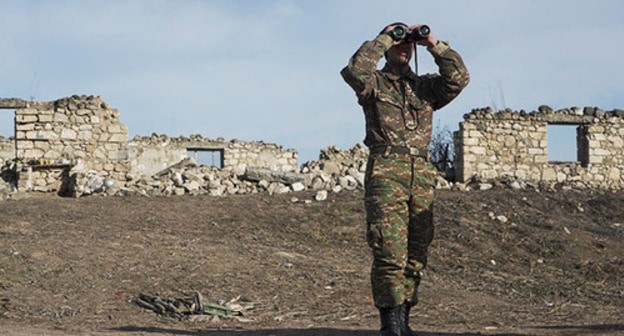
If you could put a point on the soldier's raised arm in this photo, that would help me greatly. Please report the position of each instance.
(441, 88)
(360, 72)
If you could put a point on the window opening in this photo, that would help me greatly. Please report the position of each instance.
(567, 143)
(206, 157)
(7, 123)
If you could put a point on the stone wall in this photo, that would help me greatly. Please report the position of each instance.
(514, 145)
(77, 145)
(150, 155)
(81, 133)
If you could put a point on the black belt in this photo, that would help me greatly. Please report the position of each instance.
(412, 151)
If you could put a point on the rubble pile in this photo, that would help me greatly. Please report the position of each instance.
(335, 171)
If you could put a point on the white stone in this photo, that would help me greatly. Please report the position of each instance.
(317, 183)
(24, 127)
(477, 150)
(549, 174)
(118, 138)
(192, 186)
(298, 186)
(83, 112)
(20, 118)
(263, 184)
(502, 219)
(471, 141)
(485, 186)
(44, 118)
(68, 134)
(177, 179)
(536, 151)
(614, 174)
(321, 195)
(515, 185)
(33, 153)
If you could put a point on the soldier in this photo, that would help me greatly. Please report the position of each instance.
(398, 107)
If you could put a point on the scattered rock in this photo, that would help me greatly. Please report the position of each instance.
(321, 195)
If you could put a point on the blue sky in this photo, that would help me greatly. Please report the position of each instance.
(269, 70)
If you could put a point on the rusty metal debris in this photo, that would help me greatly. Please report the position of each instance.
(193, 307)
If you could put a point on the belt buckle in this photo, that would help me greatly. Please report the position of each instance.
(414, 151)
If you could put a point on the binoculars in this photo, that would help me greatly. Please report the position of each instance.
(399, 33)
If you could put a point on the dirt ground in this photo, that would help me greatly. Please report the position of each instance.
(503, 263)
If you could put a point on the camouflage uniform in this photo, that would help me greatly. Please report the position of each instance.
(399, 178)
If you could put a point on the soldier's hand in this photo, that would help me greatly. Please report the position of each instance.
(388, 31)
(429, 42)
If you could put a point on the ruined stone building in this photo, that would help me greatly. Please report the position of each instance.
(82, 134)
(514, 145)
(63, 145)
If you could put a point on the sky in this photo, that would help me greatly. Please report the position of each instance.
(269, 69)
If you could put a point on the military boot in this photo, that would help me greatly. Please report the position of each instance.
(390, 321)
(404, 316)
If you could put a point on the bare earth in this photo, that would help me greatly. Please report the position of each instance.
(74, 266)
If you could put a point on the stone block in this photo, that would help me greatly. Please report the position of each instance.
(617, 142)
(600, 152)
(475, 134)
(520, 174)
(85, 135)
(52, 154)
(83, 112)
(596, 159)
(33, 153)
(68, 134)
(614, 174)
(43, 145)
(24, 144)
(471, 141)
(24, 118)
(536, 151)
(60, 118)
(298, 186)
(114, 129)
(477, 150)
(24, 127)
(27, 111)
(549, 174)
(118, 138)
(537, 135)
(46, 118)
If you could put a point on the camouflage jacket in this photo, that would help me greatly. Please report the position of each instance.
(399, 108)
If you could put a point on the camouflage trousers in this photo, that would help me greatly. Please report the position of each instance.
(398, 199)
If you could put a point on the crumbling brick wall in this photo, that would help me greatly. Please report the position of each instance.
(514, 145)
